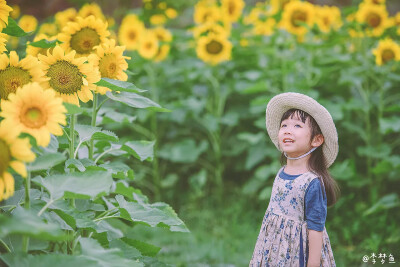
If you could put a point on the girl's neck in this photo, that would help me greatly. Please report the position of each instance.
(297, 166)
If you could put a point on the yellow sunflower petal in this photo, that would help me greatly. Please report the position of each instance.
(18, 167)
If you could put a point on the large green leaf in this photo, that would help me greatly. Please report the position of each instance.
(185, 151)
(86, 132)
(119, 170)
(136, 101)
(386, 202)
(117, 85)
(145, 249)
(143, 150)
(105, 257)
(13, 29)
(75, 163)
(89, 184)
(156, 214)
(47, 260)
(44, 43)
(26, 223)
(46, 161)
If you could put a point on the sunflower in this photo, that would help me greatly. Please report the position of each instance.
(83, 35)
(158, 19)
(171, 13)
(264, 27)
(111, 62)
(148, 44)
(28, 23)
(35, 111)
(4, 12)
(164, 37)
(278, 5)
(50, 29)
(129, 32)
(297, 12)
(63, 17)
(210, 27)
(204, 13)
(387, 50)
(328, 18)
(13, 153)
(34, 51)
(69, 76)
(232, 9)
(91, 9)
(375, 17)
(3, 41)
(16, 11)
(15, 73)
(213, 49)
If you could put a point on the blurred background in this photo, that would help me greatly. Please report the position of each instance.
(220, 64)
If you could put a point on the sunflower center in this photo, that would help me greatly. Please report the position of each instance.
(231, 8)
(5, 156)
(84, 40)
(298, 16)
(11, 78)
(132, 35)
(387, 55)
(149, 45)
(326, 21)
(214, 47)
(33, 117)
(108, 66)
(373, 20)
(65, 77)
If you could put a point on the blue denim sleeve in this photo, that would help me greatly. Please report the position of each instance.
(315, 206)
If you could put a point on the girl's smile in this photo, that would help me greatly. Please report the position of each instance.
(295, 137)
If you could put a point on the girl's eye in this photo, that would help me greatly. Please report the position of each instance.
(297, 125)
(283, 125)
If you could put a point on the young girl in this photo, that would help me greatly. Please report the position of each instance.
(293, 229)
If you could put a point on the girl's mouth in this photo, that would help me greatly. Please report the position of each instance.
(287, 140)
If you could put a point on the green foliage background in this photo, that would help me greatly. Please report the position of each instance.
(213, 161)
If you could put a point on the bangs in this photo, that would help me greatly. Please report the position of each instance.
(296, 113)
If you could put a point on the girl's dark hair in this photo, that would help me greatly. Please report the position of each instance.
(317, 161)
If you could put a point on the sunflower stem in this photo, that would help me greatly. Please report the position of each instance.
(93, 124)
(72, 146)
(154, 128)
(27, 205)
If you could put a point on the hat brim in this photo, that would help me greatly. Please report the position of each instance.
(281, 103)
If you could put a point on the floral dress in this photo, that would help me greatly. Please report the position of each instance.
(283, 226)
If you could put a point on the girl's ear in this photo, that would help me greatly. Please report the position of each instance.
(318, 140)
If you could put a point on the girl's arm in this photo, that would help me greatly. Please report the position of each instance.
(314, 248)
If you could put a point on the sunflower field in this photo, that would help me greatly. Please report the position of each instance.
(132, 133)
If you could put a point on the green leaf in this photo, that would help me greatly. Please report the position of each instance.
(117, 85)
(44, 43)
(136, 101)
(105, 257)
(145, 249)
(380, 151)
(142, 150)
(89, 184)
(126, 191)
(386, 202)
(13, 29)
(105, 135)
(76, 163)
(119, 170)
(73, 109)
(110, 115)
(86, 132)
(185, 151)
(343, 170)
(46, 162)
(389, 125)
(47, 260)
(26, 223)
(157, 214)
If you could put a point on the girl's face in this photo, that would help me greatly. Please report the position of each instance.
(295, 137)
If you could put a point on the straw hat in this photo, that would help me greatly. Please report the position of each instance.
(281, 103)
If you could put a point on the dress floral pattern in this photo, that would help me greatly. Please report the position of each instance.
(278, 243)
